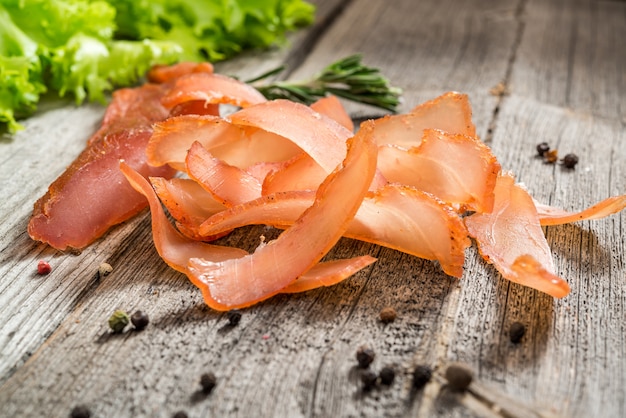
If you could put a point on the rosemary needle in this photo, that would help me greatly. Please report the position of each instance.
(348, 78)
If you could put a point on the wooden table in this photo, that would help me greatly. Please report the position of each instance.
(561, 69)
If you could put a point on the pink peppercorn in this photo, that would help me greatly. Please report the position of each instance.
(43, 267)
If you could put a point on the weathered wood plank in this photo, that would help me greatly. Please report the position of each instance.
(294, 355)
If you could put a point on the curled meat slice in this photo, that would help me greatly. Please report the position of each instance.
(317, 135)
(188, 203)
(174, 248)
(450, 112)
(211, 89)
(395, 216)
(274, 266)
(228, 184)
(510, 237)
(549, 215)
(164, 73)
(458, 169)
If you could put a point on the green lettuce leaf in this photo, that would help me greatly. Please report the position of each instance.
(85, 48)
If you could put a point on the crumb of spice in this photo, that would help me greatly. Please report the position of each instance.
(421, 376)
(208, 382)
(570, 160)
(180, 414)
(459, 376)
(516, 332)
(369, 379)
(388, 315)
(118, 321)
(551, 156)
(80, 411)
(365, 357)
(387, 374)
(234, 317)
(104, 269)
(140, 320)
(43, 267)
(542, 148)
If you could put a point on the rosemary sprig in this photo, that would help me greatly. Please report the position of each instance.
(347, 78)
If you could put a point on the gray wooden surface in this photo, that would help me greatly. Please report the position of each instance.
(564, 66)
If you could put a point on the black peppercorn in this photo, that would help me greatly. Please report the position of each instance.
(180, 414)
(387, 374)
(570, 160)
(369, 379)
(140, 320)
(234, 316)
(208, 382)
(516, 332)
(459, 376)
(365, 357)
(80, 411)
(421, 376)
(542, 148)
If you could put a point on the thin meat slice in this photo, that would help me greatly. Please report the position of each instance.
(317, 135)
(164, 73)
(92, 195)
(450, 112)
(212, 89)
(549, 215)
(174, 248)
(274, 266)
(328, 273)
(395, 216)
(511, 238)
(228, 184)
(331, 106)
(188, 203)
(458, 169)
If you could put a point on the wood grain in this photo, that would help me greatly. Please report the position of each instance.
(294, 356)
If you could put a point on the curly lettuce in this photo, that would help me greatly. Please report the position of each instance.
(86, 48)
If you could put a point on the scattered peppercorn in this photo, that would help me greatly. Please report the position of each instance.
(369, 379)
(180, 414)
(516, 332)
(421, 376)
(542, 148)
(387, 374)
(80, 411)
(570, 160)
(118, 321)
(551, 156)
(234, 317)
(140, 320)
(104, 269)
(208, 382)
(459, 376)
(43, 267)
(365, 357)
(388, 315)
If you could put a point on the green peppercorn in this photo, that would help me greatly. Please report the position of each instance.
(118, 321)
